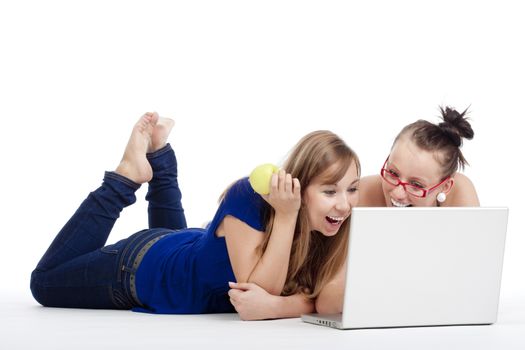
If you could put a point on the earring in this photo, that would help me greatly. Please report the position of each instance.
(441, 197)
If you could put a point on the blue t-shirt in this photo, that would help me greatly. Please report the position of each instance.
(187, 271)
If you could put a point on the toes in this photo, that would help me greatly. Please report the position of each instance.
(154, 118)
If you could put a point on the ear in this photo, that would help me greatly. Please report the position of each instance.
(447, 186)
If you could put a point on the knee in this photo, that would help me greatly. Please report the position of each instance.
(37, 286)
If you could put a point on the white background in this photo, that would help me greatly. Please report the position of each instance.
(244, 81)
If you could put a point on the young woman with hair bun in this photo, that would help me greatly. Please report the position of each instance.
(421, 169)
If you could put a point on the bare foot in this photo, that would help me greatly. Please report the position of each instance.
(134, 164)
(160, 133)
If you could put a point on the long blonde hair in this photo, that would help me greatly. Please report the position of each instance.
(314, 258)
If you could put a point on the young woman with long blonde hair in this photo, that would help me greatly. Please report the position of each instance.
(422, 169)
(288, 243)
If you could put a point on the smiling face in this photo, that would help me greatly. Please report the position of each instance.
(417, 167)
(329, 204)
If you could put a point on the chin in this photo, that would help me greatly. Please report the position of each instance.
(329, 233)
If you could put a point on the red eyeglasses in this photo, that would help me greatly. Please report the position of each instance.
(393, 179)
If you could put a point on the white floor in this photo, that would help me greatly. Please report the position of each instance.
(26, 325)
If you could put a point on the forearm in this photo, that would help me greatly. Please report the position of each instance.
(254, 303)
(292, 306)
(330, 299)
(272, 268)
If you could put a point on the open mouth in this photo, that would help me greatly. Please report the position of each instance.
(399, 205)
(335, 220)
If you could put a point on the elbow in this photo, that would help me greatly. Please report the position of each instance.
(325, 306)
(273, 290)
(269, 287)
(330, 300)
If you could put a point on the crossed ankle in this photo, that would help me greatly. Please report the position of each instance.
(121, 178)
(159, 152)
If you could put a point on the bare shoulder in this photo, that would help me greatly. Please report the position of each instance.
(463, 194)
(371, 192)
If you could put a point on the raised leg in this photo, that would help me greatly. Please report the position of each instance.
(73, 250)
(89, 227)
(164, 196)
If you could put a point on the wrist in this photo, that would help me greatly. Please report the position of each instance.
(275, 306)
(287, 216)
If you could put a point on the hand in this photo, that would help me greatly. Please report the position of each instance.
(285, 193)
(251, 301)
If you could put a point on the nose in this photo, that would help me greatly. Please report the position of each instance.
(399, 192)
(343, 203)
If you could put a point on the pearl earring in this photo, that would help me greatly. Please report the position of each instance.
(441, 197)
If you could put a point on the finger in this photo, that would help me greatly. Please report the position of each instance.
(234, 303)
(288, 183)
(282, 179)
(235, 291)
(234, 294)
(274, 183)
(240, 285)
(296, 187)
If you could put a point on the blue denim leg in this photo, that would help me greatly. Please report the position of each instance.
(76, 271)
(164, 196)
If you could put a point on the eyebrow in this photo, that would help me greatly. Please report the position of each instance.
(335, 184)
(413, 178)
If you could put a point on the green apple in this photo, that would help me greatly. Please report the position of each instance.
(260, 177)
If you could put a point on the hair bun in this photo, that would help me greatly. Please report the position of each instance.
(455, 126)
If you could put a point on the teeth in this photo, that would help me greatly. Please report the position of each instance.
(336, 218)
(399, 205)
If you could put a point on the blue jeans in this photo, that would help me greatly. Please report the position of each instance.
(77, 270)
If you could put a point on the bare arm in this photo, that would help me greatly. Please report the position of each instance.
(269, 271)
(254, 303)
(330, 300)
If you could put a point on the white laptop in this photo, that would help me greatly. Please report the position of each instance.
(421, 267)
